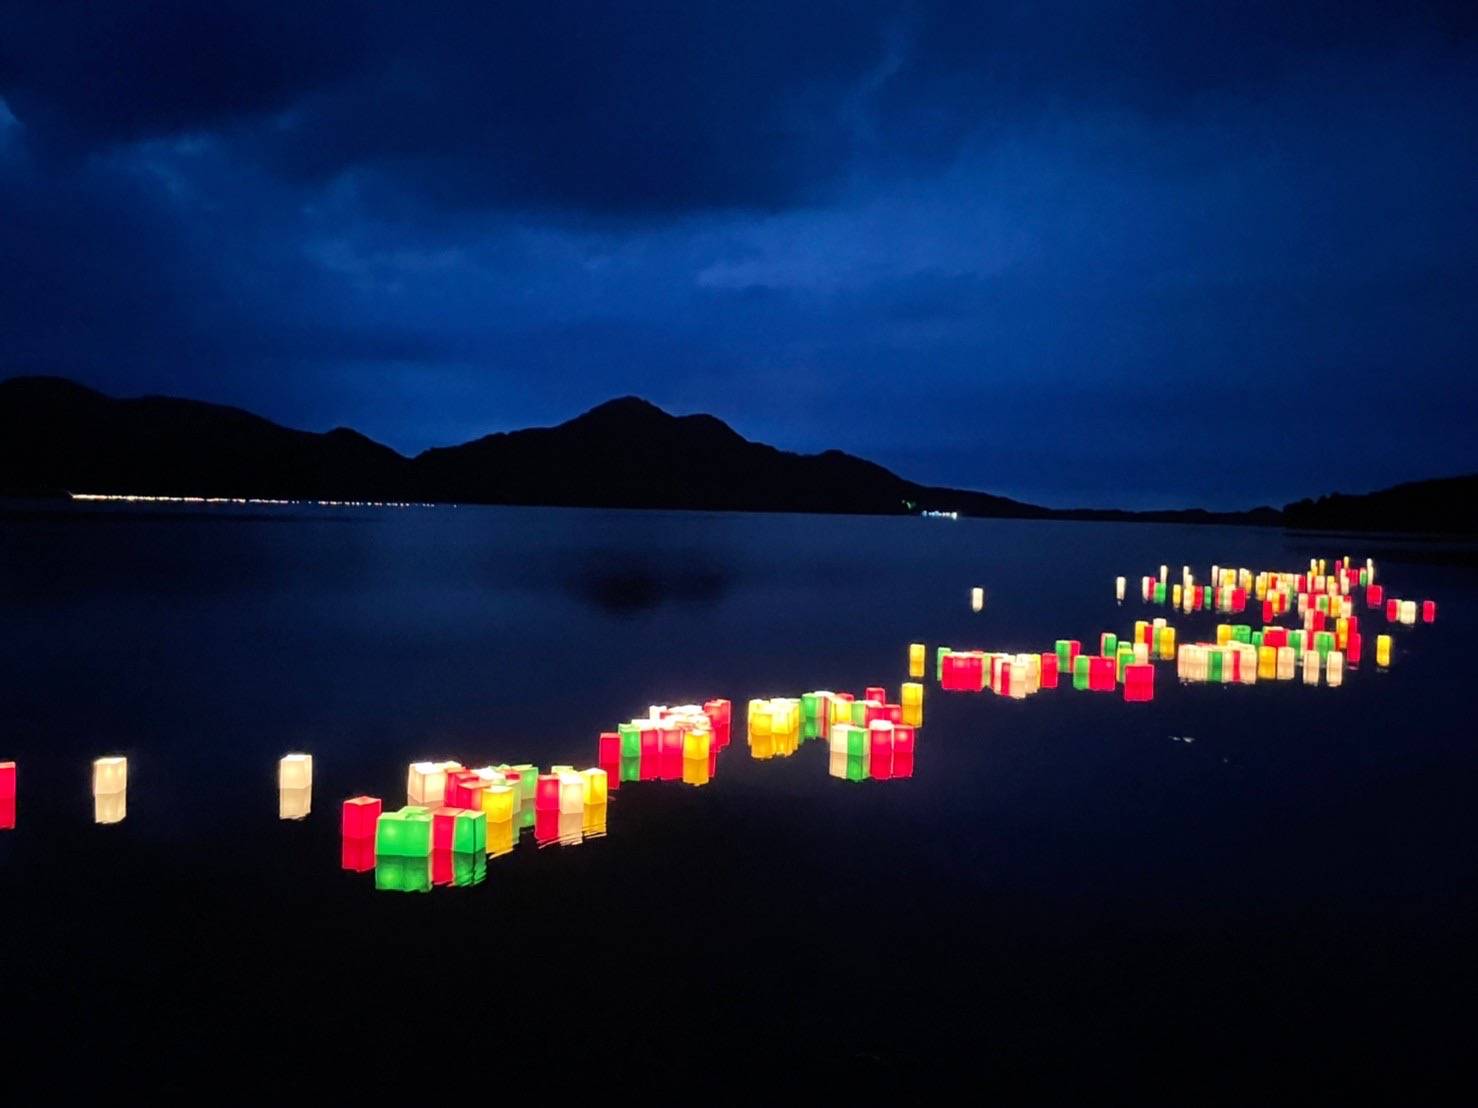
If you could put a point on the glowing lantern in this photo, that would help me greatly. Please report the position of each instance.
(717, 712)
(1393, 610)
(1287, 664)
(608, 755)
(1108, 643)
(425, 783)
(1267, 663)
(571, 827)
(1429, 611)
(1311, 668)
(596, 784)
(109, 776)
(1081, 671)
(912, 695)
(572, 792)
(1383, 650)
(593, 821)
(546, 793)
(1166, 642)
(499, 803)
(1102, 674)
(1048, 670)
(977, 598)
(1408, 612)
(1067, 650)
(295, 771)
(1119, 588)
(404, 834)
(1353, 648)
(1139, 682)
(1146, 588)
(1334, 668)
(880, 756)
(7, 780)
(501, 837)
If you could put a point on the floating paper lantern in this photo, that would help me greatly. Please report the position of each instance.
(912, 695)
(1334, 668)
(1429, 611)
(977, 598)
(1108, 643)
(916, 659)
(1408, 612)
(1166, 641)
(109, 776)
(1102, 674)
(1119, 588)
(425, 783)
(1374, 596)
(470, 833)
(1139, 682)
(1383, 650)
(7, 780)
(1311, 668)
(546, 793)
(295, 771)
(597, 782)
(1146, 588)
(1048, 670)
(572, 790)
(1081, 672)
(403, 834)
(1393, 610)
(880, 754)
(1267, 663)
(499, 802)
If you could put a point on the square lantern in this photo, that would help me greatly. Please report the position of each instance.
(7, 780)
(360, 814)
(443, 828)
(718, 712)
(1102, 674)
(404, 834)
(596, 784)
(1081, 671)
(499, 802)
(1139, 682)
(425, 783)
(295, 771)
(572, 792)
(546, 794)
(470, 832)
(916, 660)
(109, 776)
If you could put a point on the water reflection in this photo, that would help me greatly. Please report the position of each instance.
(7, 796)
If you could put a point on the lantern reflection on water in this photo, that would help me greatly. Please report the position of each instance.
(7, 796)
(294, 803)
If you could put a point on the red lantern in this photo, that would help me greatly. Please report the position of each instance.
(893, 713)
(1103, 674)
(609, 747)
(1352, 648)
(651, 753)
(1275, 636)
(1267, 611)
(1429, 611)
(670, 742)
(1196, 599)
(1049, 670)
(1239, 599)
(1374, 595)
(1393, 610)
(718, 712)
(881, 765)
(361, 813)
(7, 780)
(875, 693)
(546, 792)
(1139, 681)
(443, 822)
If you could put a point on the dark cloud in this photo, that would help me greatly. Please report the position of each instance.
(1085, 252)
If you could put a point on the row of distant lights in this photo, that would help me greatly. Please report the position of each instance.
(137, 498)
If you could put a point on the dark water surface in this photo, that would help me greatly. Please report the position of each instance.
(1064, 895)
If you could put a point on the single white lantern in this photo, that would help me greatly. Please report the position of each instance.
(1118, 588)
(109, 776)
(425, 784)
(1311, 667)
(295, 771)
(1334, 668)
(977, 598)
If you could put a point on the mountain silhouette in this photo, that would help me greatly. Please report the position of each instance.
(59, 437)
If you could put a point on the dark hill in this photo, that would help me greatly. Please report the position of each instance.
(1445, 504)
(58, 437)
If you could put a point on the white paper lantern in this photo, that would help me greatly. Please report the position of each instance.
(295, 771)
(109, 776)
(1118, 588)
(977, 598)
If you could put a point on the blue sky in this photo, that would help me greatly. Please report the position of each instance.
(1136, 254)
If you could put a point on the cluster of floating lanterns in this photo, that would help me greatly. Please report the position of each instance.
(1328, 644)
(671, 744)
(868, 738)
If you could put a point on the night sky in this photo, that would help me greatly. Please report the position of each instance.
(1135, 254)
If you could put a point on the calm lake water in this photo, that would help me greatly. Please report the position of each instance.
(1065, 894)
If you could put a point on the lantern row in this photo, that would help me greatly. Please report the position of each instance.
(867, 738)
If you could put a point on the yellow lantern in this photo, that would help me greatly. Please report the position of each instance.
(1267, 663)
(916, 658)
(498, 802)
(595, 786)
(1383, 650)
